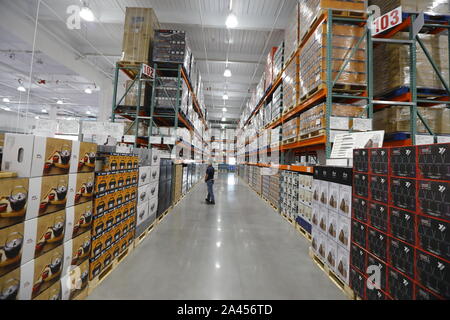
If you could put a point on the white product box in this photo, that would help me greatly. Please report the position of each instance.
(332, 224)
(343, 231)
(53, 156)
(343, 264)
(154, 174)
(152, 207)
(322, 245)
(323, 195)
(153, 190)
(143, 195)
(315, 214)
(333, 196)
(316, 191)
(360, 124)
(142, 213)
(144, 175)
(75, 283)
(331, 253)
(339, 123)
(323, 218)
(315, 239)
(345, 200)
(156, 156)
(83, 157)
(18, 154)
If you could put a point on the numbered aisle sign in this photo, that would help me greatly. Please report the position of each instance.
(387, 21)
(148, 71)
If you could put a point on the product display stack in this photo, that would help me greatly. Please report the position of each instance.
(113, 229)
(165, 185)
(400, 223)
(147, 203)
(178, 182)
(305, 201)
(289, 196)
(46, 218)
(331, 218)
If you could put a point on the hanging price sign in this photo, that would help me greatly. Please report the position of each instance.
(148, 71)
(387, 21)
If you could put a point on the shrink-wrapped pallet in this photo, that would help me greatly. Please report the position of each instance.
(393, 64)
(313, 58)
(428, 6)
(139, 28)
(290, 129)
(311, 9)
(291, 35)
(290, 85)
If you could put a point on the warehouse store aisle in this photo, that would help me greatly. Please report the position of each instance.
(238, 249)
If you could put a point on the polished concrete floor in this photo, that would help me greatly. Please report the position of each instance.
(238, 249)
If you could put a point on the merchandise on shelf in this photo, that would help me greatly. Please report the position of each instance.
(401, 224)
(170, 46)
(269, 68)
(291, 35)
(411, 6)
(290, 129)
(291, 85)
(278, 61)
(138, 36)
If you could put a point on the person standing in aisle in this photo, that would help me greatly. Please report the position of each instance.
(209, 179)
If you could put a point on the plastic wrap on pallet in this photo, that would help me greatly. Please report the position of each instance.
(311, 9)
(393, 64)
(397, 119)
(269, 72)
(411, 6)
(313, 57)
(290, 85)
(278, 61)
(132, 95)
(138, 35)
(290, 129)
(291, 35)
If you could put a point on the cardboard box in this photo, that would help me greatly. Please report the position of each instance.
(154, 174)
(52, 156)
(360, 209)
(323, 219)
(381, 266)
(358, 258)
(377, 244)
(434, 236)
(331, 253)
(379, 216)
(153, 189)
(332, 225)
(434, 198)
(18, 154)
(358, 283)
(345, 200)
(343, 264)
(433, 273)
(333, 196)
(74, 285)
(49, 194)
(10, 285)
(323, 197)
(359, 233)
(46, 232)
(52, 293)
(83, 157)
(403, 162)
(142, 213)
(400, 287)
(361, 185)
(143, 195)
(343, 231)
(81, 188)
(379, 188)
(14, 201)
(144, 175)
(434, 161)
(13, 250)
(78, 220)
(403, 225)
(316, 190)
(80, 248)
(401, 256)
(315, 235)
(403, 193)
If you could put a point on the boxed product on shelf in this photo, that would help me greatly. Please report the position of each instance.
(269, 73)
(434, 161)
(14, 201)
(278, 60)
(291, 84)
(131, 99)
(291, 35)
(170, 46)
(140, 25)
(290, 129)
(343, 264)
(313, 71)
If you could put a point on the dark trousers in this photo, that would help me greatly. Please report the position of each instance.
(210, 196)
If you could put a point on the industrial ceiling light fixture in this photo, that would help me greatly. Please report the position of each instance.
(227, 72)
(224, 109)
(86, 13)
(44, 110)
(88, 91)
(88, 112)
(232, 20)
(6, 108)
(223, 119)
(6, 100)
(225, 96)
(21, 88)
(59, 102)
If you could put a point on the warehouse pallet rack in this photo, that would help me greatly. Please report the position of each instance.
(413, 96)
(146, 114)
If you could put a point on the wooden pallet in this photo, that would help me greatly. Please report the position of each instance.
(332, 275)
(287, 110)
(131, 63)
(351, 14)
(7, 174)
(289, 141)
(94, 283)
(313, 134)
(350, 88)
(303, 232)
(144, 235)
(312, 92)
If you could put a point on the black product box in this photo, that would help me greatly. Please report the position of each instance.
(171, 36)
(377, 244)
(402, 256)
(325, 173)
(359, 233)
(400, 287)
(357, 283)
(317, 173)
(379, 188)
(360, 208)
(361, 185)
(433, 273)
(403, 162)
(434, 198)
(424, 294)
(403, 193)
(434, 236)
(361, 160)
(380, 265)
(379, 160)
(358, 258)
(378, 216)
(375, 294)
(434, 161)
(346, 176)
(403, 225)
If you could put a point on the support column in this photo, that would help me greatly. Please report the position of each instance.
(52, 112)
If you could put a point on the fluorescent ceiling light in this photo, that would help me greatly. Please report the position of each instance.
(224, 109)
(227, 73)
(21, 88)
(225, 96)
(231, 21)
(87, 14)
(88, 90)
(223, 119)
(37, 117)
(44, 111)
(6, 100)
(59, 102)
(6, 108)
(88, 112)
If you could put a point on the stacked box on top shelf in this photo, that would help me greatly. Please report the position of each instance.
(277, 102)
(310, 10)
(291, 83)
(331, 218)
(313, 59)
(278, 61)
(269, 72)
(290, 130)
(115, 206)
(400, 221)
(45, 216)
(291, 35)
(170, 46)
(168, 95)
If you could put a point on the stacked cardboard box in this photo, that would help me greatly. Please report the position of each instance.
(147, 203)
(139, 30)
(46, 217)
(292, 32)
(398, 119)
(331, 218)
(290, 129)
(289, 196)
(113, 229)
(393, 64)
(178, 176)
(269, 70)
(170, 46)
(291, 85)
(274, 190)
(278, 61)
(400, 222)
(165, 185)
(305, 198)
(277, 102)
(311, 9)
(313, 58)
